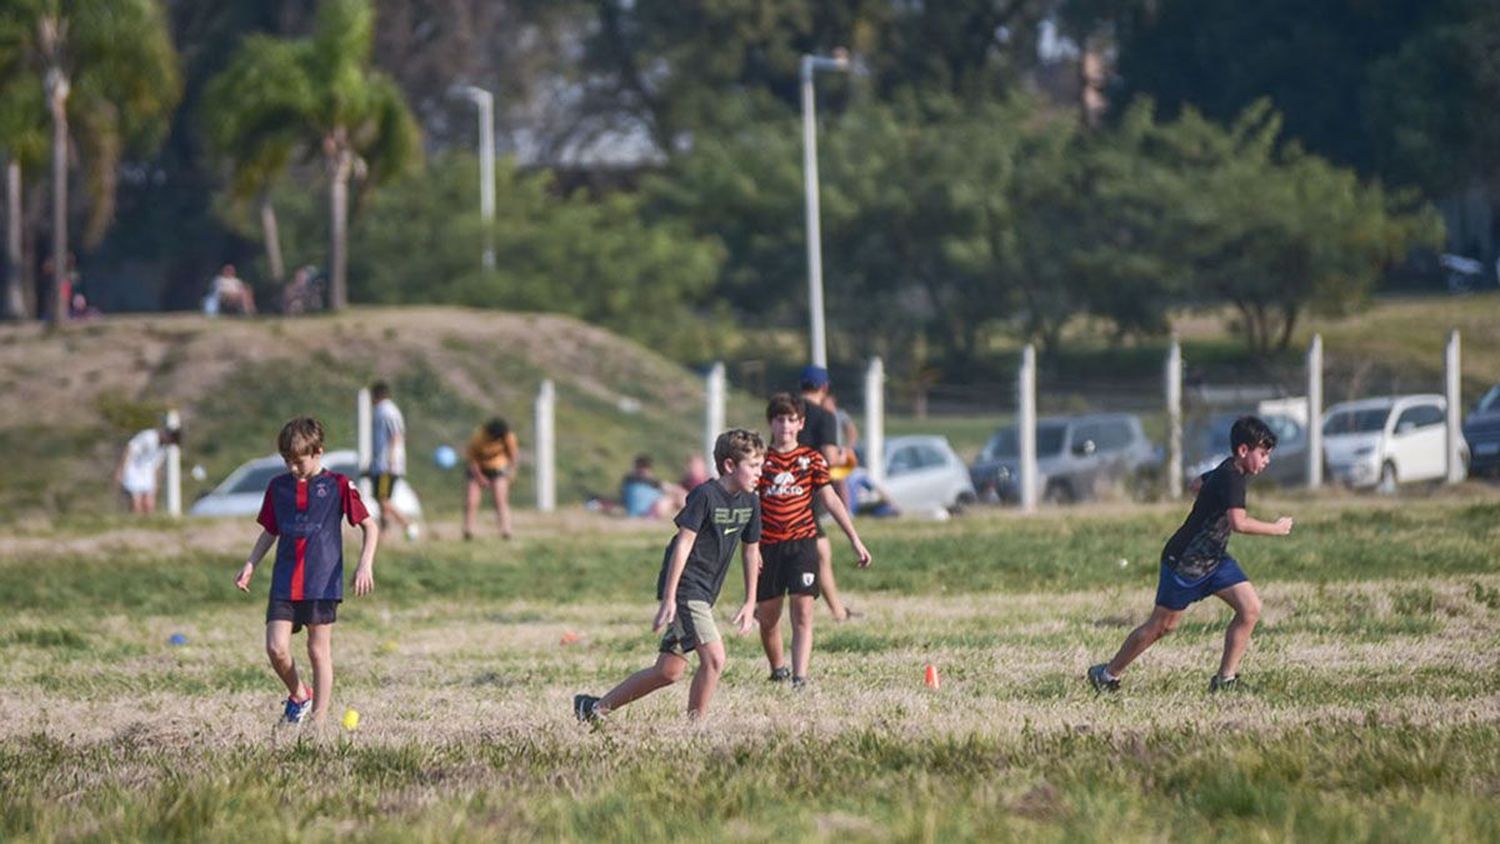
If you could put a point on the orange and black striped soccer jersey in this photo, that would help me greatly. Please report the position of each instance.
(787, 485)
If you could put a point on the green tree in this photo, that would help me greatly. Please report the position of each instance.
(110, 81)
(316, 98)
(23, 143)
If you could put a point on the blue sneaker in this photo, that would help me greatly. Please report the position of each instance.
(297, 711)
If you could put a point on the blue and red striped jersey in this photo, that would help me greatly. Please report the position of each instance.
(304, 516)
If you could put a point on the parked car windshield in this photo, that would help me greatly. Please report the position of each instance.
(1356, 421)
(1006, 442)
(1491, 400)
(256, 480)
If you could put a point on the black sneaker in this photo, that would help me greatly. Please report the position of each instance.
(1100, 682)
(1226, 684)
(799, 682)
(780, 675)
(584, 707)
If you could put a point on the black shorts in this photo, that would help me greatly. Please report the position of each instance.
(788, 568)
(384, 484)
(494, 474)
(302, 613)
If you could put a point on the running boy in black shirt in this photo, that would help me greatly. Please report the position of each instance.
(718, 516)
(1196, 563)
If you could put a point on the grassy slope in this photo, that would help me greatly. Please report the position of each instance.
(1374, 715)
(74, 397)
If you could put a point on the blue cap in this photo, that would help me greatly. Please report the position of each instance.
(814, 377)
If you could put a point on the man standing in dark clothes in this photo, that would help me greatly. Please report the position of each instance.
(821, 431)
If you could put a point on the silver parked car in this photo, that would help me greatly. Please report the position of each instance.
(242, 492)
(1078, 457)
(924, 475)
(1383, 442)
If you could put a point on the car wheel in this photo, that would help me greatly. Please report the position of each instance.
(964, 501)
(1059, 492)
(1388, 480)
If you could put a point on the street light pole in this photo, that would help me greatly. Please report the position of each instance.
(811, 64)
(485, 101)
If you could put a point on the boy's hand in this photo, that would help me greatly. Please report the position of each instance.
(364, 580)
(863, 553)
(665, 615)
(1283, 526)
(744, 620)
(242, 580)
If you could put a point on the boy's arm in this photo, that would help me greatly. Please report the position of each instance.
(364, 574)
(745, 618)
(840, 515)
(262, 545)
(1242, 522)
(681, 548)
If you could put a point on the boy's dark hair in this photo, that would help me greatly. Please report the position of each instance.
(643, 461)
(171, 436)
(1252, 432)
(496, 429)
(380, 391)
(786, 404)
(301, 436)
(736, 444)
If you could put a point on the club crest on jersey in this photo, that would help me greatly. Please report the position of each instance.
(322, 490)
(803, 462)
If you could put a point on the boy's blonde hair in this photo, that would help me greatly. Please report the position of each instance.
(737, 444)
(301, 436)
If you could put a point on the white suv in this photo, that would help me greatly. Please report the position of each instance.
(1388, 441)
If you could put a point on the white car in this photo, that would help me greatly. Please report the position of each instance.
(241, 493)
(1388, 441)
(924, 476)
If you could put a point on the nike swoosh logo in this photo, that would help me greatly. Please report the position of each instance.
(728, 531)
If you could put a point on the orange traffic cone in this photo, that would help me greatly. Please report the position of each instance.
(932, 679)
(569, 637)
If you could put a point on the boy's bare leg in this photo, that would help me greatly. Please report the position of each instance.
(706, 678)
(1246, 604)
(1161, 622)
(826, 583)
(388, 511)
(768, 613)
(501, 491)
(279, 649)
(320, 653)
(472, 492)
(802, 634)
(667, 670)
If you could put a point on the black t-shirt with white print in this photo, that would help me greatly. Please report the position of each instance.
(722, 521)
(1195, 550)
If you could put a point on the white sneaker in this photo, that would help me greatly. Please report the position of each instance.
(412, 532)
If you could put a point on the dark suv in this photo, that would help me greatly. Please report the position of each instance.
(1078, 457)
(1482, 430)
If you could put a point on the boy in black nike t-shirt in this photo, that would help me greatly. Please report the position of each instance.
(1196, 563)
(718, 516)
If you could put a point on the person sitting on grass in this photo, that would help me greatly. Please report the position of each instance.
(719, 515)
(1196, 563)
(794, 476)
(644, 495)
(491, 457)
(301, 513)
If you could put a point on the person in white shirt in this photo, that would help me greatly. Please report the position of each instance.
(388, 457)
(140, 463)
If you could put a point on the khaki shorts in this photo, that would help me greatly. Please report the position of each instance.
(693, 626)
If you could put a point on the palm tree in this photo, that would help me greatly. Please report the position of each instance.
(313, 98)
(109, 77)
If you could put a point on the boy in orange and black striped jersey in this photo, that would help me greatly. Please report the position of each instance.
(792, 475)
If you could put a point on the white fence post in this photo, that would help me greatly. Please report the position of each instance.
(174, 468)
(1455, 409)
(714, 421)
(364, 439)
(1174, 421)
(1315, 413)
(546, 452)
(875, 420)
(1026, 428)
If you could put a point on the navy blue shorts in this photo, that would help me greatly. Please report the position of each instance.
(1176, 593)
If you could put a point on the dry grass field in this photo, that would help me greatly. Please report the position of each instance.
(1374, 713)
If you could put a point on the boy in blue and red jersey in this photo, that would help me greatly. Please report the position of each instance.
(303, 508)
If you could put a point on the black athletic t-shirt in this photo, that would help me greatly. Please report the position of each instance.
(820, 428)
(722, 521)
(1196, 548)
